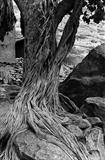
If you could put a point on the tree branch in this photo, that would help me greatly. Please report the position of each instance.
(62, 9)
(68, 37)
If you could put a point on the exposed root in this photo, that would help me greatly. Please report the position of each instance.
(45, 126)
(37, 108)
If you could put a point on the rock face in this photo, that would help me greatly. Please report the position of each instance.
(95, 106)
(39, 149)
(87, 78)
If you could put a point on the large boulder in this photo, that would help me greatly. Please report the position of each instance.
(95, 106)
(87, 78)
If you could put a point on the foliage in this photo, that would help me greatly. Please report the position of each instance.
(95, 10)
(12, 73)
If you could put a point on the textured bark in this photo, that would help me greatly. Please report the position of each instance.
(37, 105)
(63, 8)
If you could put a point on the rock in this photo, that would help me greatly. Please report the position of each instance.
(95, 144)
(95, 121)
(87, 78)
(74, 57)
(39, 149)
(95, 106)
(51, 152)
(88, 109)
(96, 100)
(76, 120)
(72, 119)
(84, 124)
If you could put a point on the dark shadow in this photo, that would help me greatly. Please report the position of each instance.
(19, 48)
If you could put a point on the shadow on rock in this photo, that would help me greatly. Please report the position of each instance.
(87, 78)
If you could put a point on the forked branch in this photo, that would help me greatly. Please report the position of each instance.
(62, 9)
(68, 37)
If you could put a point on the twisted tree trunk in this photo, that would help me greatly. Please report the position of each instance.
(37, 105)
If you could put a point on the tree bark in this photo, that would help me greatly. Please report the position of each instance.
(37, 105)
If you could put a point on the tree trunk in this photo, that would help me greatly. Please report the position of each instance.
(37, 105)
